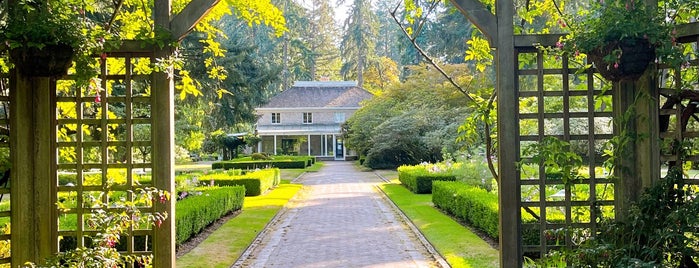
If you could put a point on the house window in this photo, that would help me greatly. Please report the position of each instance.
(276, 118)
(339, 117)
(308, 118)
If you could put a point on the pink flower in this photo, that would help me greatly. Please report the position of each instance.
(158, 222)
(559, 44)
(616, 65)
(98, 99)
(562, 23)
(111, 242)
(577, 53)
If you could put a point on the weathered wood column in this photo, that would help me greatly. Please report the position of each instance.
(508, 148)
(639, 167)
(31, 137)
(163, 141)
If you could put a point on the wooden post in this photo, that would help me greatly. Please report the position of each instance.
(508, 129)
(31, 138)
(639, 168)
(163, 141)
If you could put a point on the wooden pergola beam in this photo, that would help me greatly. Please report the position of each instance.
(184, 22)
(481, 17)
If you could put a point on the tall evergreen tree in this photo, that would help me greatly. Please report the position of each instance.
(358, 41)
(389, 33)
(323, 39)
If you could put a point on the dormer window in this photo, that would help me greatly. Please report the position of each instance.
(276, 118)
(308, 118)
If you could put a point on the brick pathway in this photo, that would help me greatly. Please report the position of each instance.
(339, 219)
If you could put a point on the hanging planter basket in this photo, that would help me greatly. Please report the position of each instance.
(51, 61)
(633, 61)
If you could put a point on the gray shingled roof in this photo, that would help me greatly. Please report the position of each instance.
(312, 94)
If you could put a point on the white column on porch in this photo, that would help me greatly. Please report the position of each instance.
(275, 144)
(259, 146)
(309, 144)
(334, 145)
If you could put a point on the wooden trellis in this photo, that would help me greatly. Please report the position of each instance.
(103, 148)
(66, 148)
(574, 107)
(525, 228)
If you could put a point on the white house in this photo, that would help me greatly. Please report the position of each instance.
(307, 118)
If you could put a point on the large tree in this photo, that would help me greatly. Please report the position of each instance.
(412, 121)
(323, 40)
(358, 41)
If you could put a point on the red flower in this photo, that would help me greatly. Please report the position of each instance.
(98, 99)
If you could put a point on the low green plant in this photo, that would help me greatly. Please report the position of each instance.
(256, 182)
(419, 178)
(475, 205)
(196, 212)
(259, 156)
(227, 243)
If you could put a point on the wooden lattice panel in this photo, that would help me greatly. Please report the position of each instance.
(103, 149)
(679, 124)
(556, 100)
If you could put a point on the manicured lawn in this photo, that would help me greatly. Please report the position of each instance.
(223, 247)
(459, 246)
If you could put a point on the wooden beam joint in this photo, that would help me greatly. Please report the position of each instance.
(481, 17)
(184, 22)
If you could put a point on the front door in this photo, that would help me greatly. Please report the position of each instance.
(339, 150)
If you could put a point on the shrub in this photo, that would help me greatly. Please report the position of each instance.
(418, 179)
(283, 164)
(259, 156)
(480, 209)
(194, 213)
(471, 204)
(255, 183)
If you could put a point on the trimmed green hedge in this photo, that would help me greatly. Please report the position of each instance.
(480, 208)
(194, 213)
(471, 204)
(283, 162)
(419, 180)
(255, 183)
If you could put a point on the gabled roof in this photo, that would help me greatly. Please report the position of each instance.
(316, 94)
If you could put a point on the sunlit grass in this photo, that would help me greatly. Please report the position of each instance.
(456, 243)
(223, 247)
